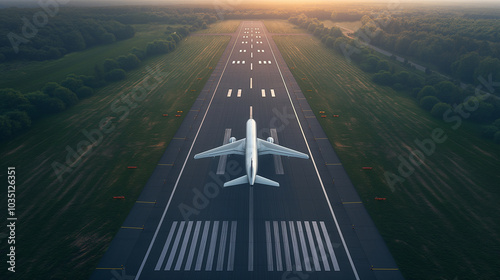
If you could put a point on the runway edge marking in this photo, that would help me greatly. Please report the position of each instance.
(184, 165)
(315, 167)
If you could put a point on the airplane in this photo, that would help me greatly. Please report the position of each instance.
(251, 147)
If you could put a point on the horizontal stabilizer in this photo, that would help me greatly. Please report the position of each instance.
(264, 181)
(238, 181)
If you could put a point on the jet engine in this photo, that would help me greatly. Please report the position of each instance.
(232, 139)
(270, 139)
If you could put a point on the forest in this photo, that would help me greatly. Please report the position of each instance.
(469, 51)
(76, 30)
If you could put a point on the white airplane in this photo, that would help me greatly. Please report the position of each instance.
(251, 147)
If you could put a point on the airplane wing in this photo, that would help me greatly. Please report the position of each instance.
(267, 148)
(235, 148)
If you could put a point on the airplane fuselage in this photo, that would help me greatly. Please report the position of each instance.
(251, 154)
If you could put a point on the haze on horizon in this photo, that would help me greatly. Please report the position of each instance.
(33, 3)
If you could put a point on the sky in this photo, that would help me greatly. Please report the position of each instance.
(34, 3)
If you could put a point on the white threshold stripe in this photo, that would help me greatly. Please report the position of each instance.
(229, 92)
(239, 93)
(329, 246)
(279, 264)
(316, 168)
(286, 247)
(305, 256)
(263, 91)
(184, 246)
(146, 256)
(222, 247)
(203, 245)
(312, 246)
(167, 244)
(232, 246)
(269, 247)
(322, 252)
(211, 250)
(189, 261)
(272, 93)
(295, 247)
(176, 245)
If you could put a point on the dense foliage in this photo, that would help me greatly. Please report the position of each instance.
(25, 34)
(442, 98)
(462, 47)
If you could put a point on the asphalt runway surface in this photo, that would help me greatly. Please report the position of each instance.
(186, 226)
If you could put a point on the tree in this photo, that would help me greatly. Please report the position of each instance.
(19, 120)
(176, 38)
(497, 123)
(44, 104)
(489, 131)
(141, 54)
(5, 127)
(371, 63)
(496, 137)
(439, 109)
(488, 66)
(447, 92)
(11, 99)
(84, 92)
(383, 66)
(65, 95)
(72, 83)
(464, 68)
(110, 64)
(157, 47)
(426, 91)
(73, 41)
(484, 113)
(50, 87)
(402, 77)
(128, 62)
(428, 102)
(383, 78)
(115, 75)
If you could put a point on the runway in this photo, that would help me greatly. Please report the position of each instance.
(186, 226)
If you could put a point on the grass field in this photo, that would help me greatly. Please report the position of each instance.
(65, 226)
(283, 27)
(226, 26)
(442, 221)
(16, 74)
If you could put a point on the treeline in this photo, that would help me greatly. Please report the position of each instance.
(18, 110)
(464, 48)
(24, 36)
(254, 14)
(435, 94)
(155, 14)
